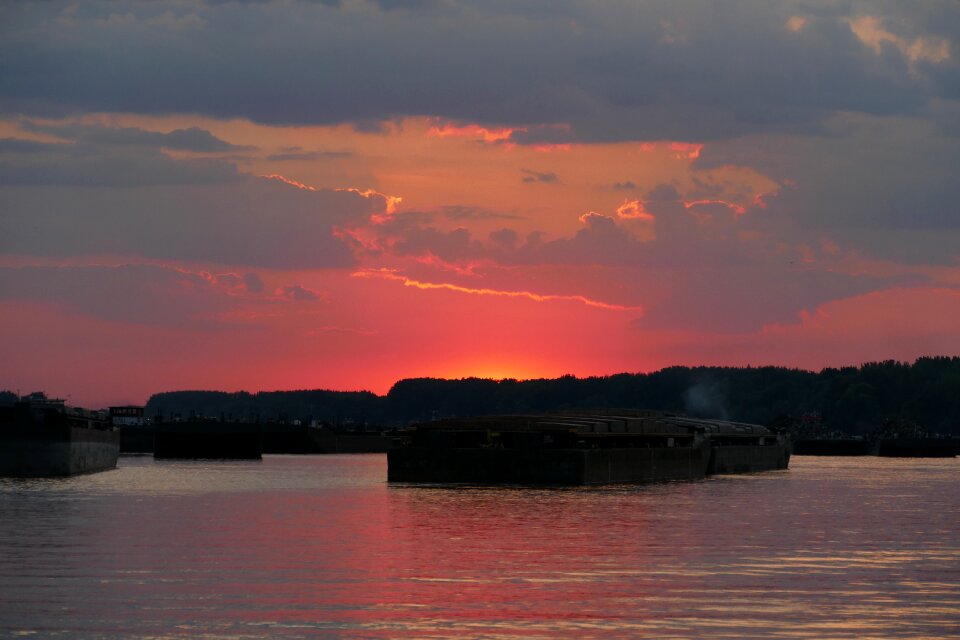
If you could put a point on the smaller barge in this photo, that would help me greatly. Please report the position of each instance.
(42, 437)
(582, 448)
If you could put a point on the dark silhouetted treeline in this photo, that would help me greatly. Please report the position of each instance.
(335, 407)
(852, 399)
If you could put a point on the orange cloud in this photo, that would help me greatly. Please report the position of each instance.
(551, 148)
(388, 274)
(796, 23)
(634, 210)
(591, 216)
(688, 149)
(391, 202)
(473, 131)
(871, 32)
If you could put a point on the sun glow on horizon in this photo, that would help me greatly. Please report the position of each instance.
(498, 369)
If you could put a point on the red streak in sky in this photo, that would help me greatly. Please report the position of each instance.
(388, 274)
(391, 202)
(286, 180)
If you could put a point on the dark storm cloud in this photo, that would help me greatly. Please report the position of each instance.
(19, 145)
(103, 156)
(612, 71)
(191, 139)
(300, 155)
(89, 165)
(886, 186)
(396, 5)
(252, 221)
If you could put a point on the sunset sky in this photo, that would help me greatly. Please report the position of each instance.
(339, 194)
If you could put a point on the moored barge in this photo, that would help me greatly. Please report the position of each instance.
(582, 448)
(42, 437)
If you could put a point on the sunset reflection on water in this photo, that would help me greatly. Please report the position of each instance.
(322, 545)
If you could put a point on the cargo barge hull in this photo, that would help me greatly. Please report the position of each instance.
(60, 454)
(545, 466)
(582, 449)
(54, 440)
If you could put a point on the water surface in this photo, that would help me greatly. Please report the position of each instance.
(322, 546)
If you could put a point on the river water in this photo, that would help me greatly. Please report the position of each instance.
(322, 546)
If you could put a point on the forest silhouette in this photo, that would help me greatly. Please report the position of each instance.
(854, 400)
